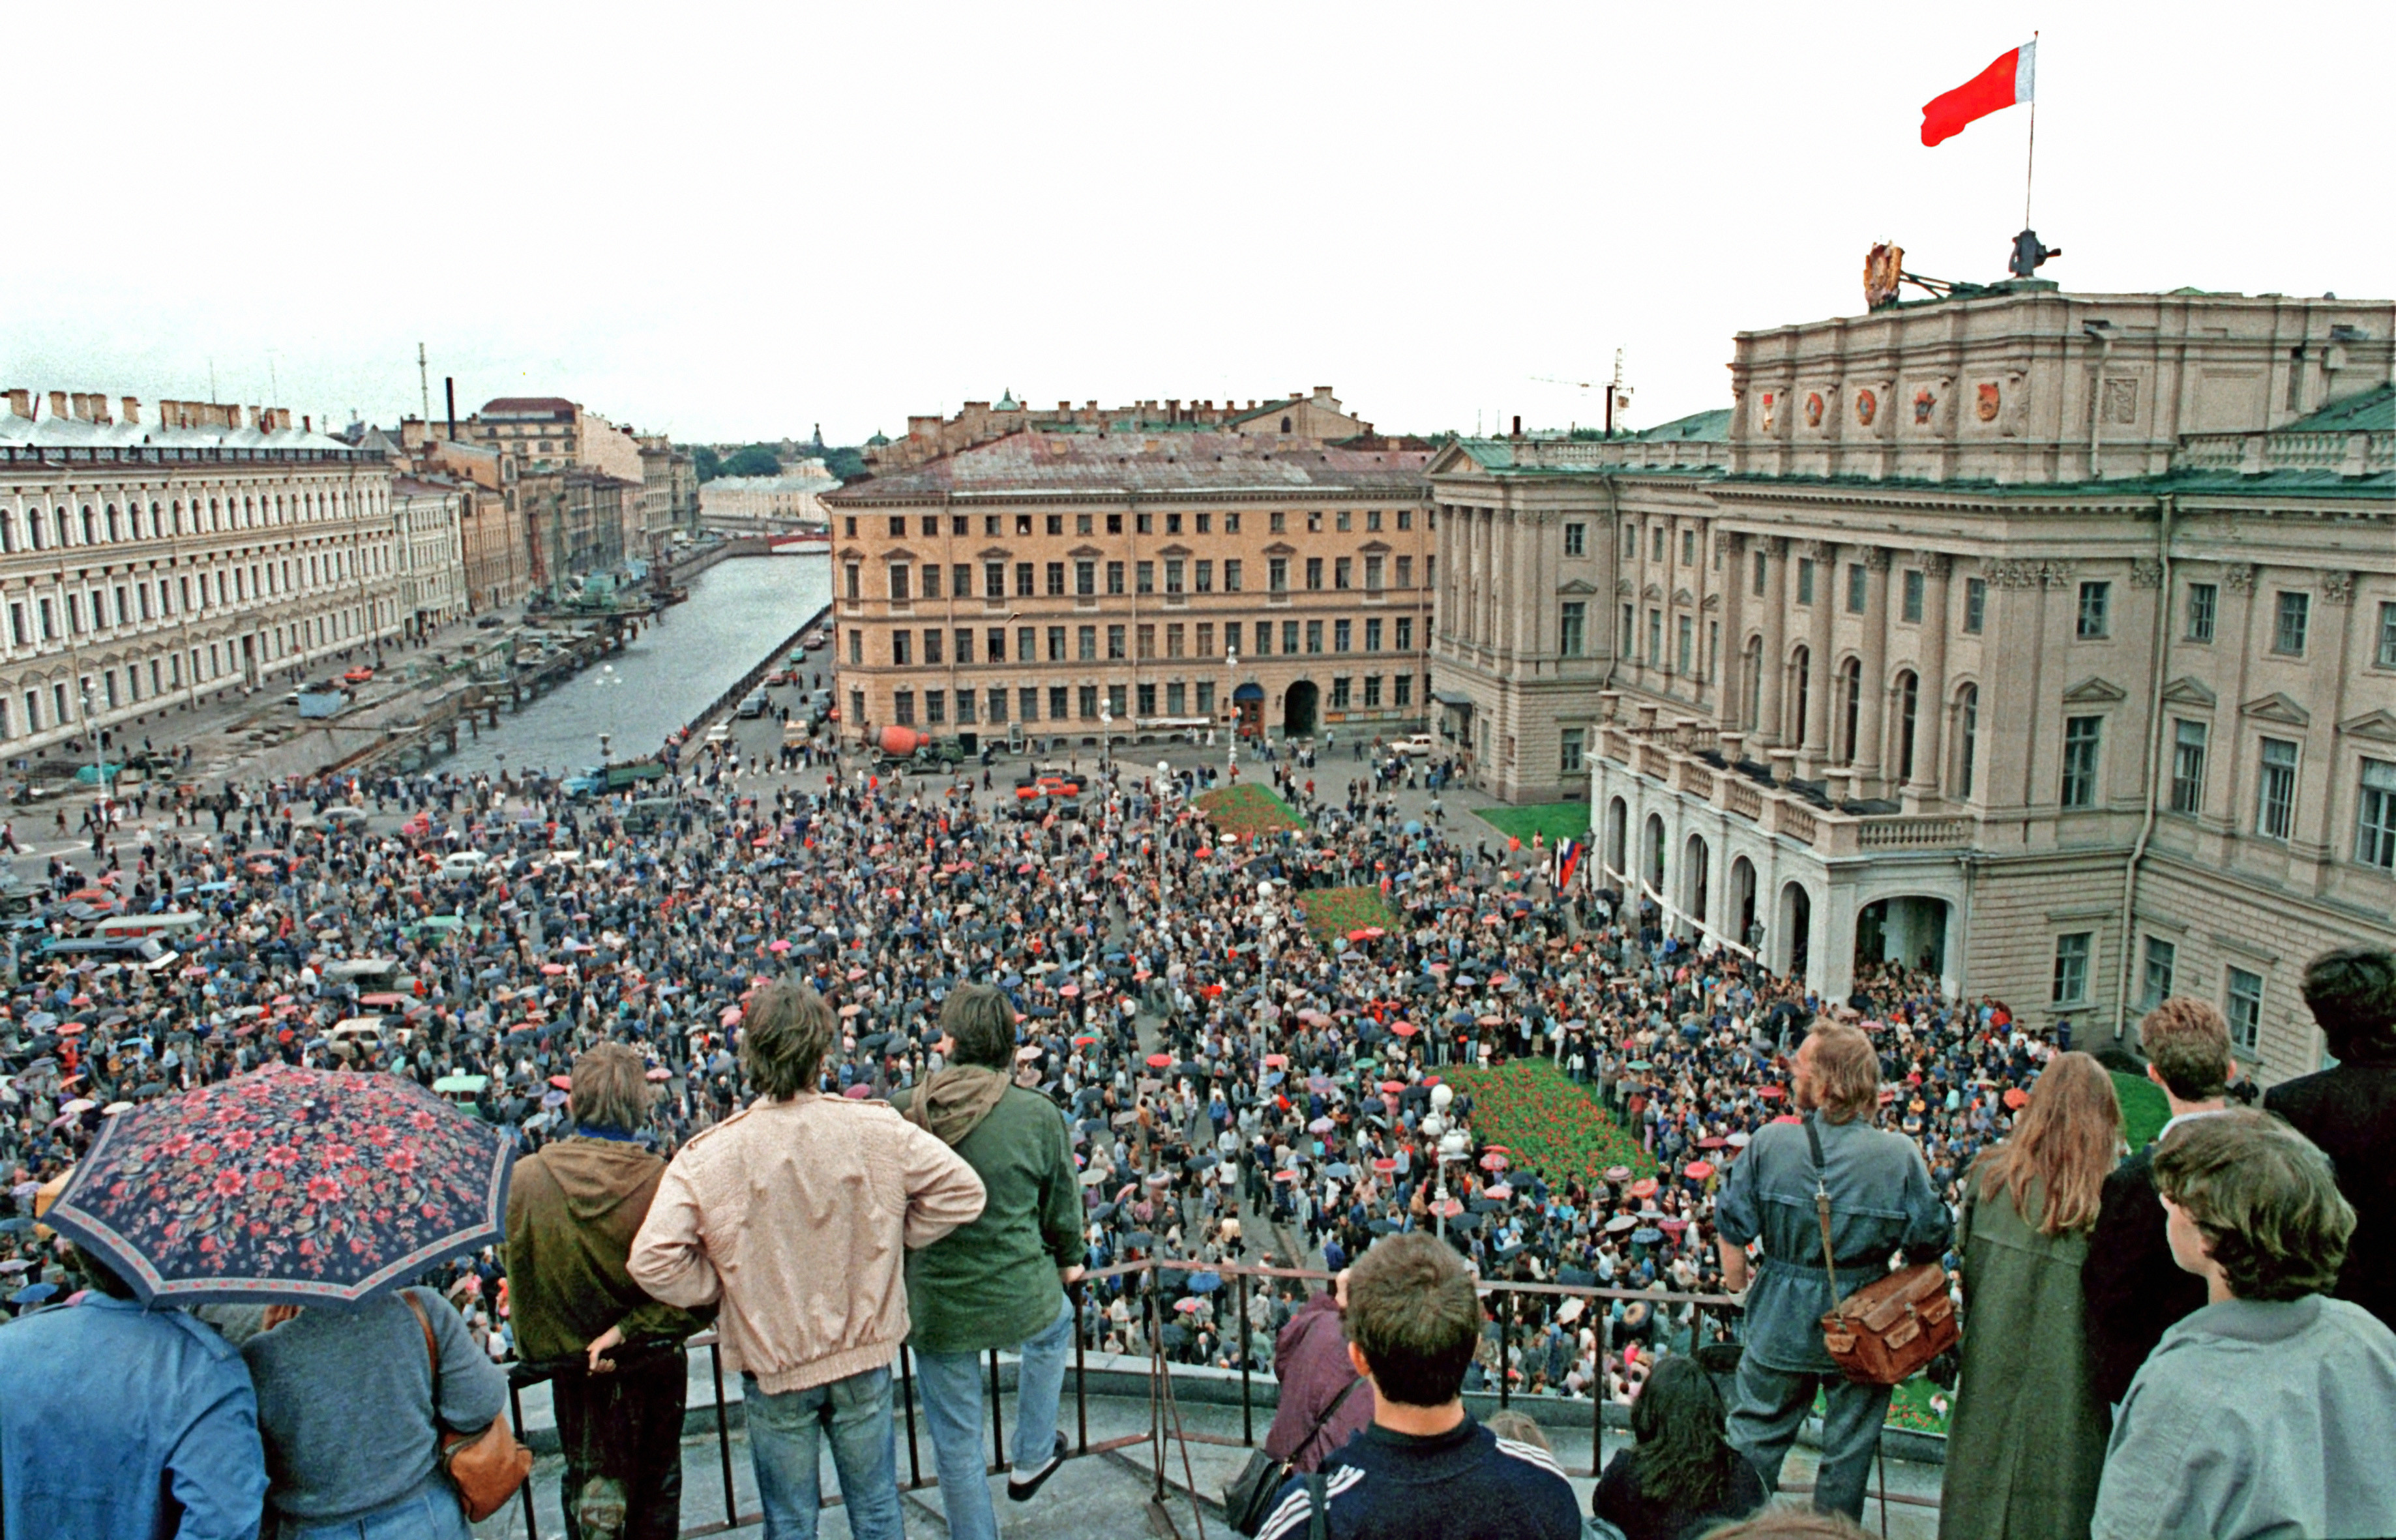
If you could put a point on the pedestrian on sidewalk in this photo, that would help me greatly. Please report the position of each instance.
(999, 1281)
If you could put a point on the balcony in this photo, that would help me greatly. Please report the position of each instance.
(1692, 758)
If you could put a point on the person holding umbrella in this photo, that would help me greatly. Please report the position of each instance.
(177, 1425)
(619, 1373)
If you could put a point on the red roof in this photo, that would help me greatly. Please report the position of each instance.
(518, 404)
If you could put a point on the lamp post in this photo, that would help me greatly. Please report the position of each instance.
(1230, 699)
(1105, 735)
(98, 768)
(1163, 772)
(1448, 1144)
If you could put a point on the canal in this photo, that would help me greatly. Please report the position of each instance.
(737, 610)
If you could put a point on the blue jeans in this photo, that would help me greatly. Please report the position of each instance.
(785, 1434)
(431, 1512)
(953, 1405)
(1771, 1405)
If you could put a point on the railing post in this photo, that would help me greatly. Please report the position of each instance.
(907, 1395)
(1247, 1411)
(1081, 1373)
(1505, 1346)
(997, 1418)
(723, 1429)
(516, 1420)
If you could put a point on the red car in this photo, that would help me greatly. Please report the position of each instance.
(358, 675)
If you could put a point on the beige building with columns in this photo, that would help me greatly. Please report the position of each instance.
(2046, 638)
(1068, 588)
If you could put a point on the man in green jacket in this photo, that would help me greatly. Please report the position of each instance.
(998, 1281)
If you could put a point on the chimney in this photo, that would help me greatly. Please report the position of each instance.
(282, 417)
(307, 424)
(79, 403)
(256, 417)
(132, 410)
(1518, 425)
(57, 404)
(20, 402)
(449, 393)
(1323, 392)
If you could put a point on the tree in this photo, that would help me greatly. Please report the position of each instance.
(709, 464)
(847, 463)
(755, 460)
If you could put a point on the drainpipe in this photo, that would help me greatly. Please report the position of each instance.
(2156, 678)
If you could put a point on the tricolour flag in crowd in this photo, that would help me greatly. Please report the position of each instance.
(1569, 854)
(2005, 84)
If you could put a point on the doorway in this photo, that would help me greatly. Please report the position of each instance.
(1911, 932)
(1297, 709)
(1248, 706)
(1797, 925)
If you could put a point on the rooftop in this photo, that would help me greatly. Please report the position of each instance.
(1030, 463)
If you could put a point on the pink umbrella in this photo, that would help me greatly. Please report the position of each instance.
(731, 1014)
(1697, 1171)
(779, 947)
(1385, 1165)
(1499, 1190)
(1405, 1029)
(858, 1091)
(1493, 1161)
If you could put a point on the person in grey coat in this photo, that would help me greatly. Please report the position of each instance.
(2271, 1411)
(1881, 1203)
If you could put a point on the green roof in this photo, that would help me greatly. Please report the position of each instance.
(1712, 427)
(2372, 412)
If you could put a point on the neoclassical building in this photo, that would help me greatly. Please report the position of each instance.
(144, 564)
(2046, 638)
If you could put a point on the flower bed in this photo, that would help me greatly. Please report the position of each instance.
(1331, 913)
(1248, 811)
(1553, 1125)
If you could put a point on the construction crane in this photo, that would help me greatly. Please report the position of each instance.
(1618, 394)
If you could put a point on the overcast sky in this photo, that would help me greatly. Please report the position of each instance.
(737, 221)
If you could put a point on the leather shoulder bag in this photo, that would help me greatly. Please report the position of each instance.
(1887, 1331)
(1248, 1501)
(487, 1468)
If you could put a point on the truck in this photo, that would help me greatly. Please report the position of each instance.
(907, 748)
(599, 780)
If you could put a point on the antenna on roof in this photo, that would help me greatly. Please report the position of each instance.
(1618, 394)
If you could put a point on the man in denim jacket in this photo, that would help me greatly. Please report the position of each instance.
(1881, 1203)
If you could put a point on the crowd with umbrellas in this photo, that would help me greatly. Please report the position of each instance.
(1242, 1085)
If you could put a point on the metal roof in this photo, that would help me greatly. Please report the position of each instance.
(1029, 464)
(76, 434)
(2372, 412)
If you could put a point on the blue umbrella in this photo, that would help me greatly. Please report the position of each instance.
(33, 1293)
(1205, 1283)
(314, 1188)
(1646, 1235)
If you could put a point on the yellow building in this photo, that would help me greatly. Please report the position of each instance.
(1068, 587)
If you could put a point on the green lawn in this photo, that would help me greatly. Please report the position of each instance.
(1551, 1122)
(1567, 821)
(2144, 1111)
(1331, 913)
(1247, 810)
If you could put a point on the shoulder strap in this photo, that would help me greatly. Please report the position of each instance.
(1318, 1506)
(432, 1351)
(1323, 1421)
(1822, 1199)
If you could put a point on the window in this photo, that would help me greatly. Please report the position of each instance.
(1630, 629)
(1339, 693)
(1629, 541)
(993, 579)
(1088, 644)
(2071, 968)
(1023, 524)
(902, 708)
(931, 580)
(1056, 524)
(1206, 639)
(1206, 697)
(2385, 654)
(1655, 638)
(1202, 574)
(897, 525)
(964, 647)
(1027, 703)
(1055, 644)
(1343, 571)
(1909, 706)
(996, 650)
(1206, 524)
(1575, 539)
(2275, 789)
(1114, 578)
(1314, 636)
(856, 646)
(1373, 634)
(1232, 575)
(1289, 636)
(1340, 521)
(1859, 586)
(1147, 700)
(1027, 644)
(1087, 702)
(1405, 633)
(901, 647)
(1144, 576)
(1057, 703)
(1568, 753)
(2155, 979)
(1174, 568)
(2187, 767)
(1851, 691)
(1085, 580)
(1314, 572)
(1024, 580)
(1147, 639)
(966, 707)
(1685, 642)
(1975, 604)
(1278, 522)
(1055, 579)
(2095, 599)
(1114, 643)
(2244, 1001)
(1656, 544)
(1339, 635)
(1688, 548)
(1176, 698)
(932, 648)
(1264, 637)
(1406, 576)
(1804, 579)
(1118, 702)
(2080, 744)
(1373, 568)
(2295, 610)
(1314, 522)
(1755, 584)
(1277, 573)
(997, 706)
(1405, 695)
(1912, 600)
(1176, 637)
(2375, 837)
(936, 707)
(2202, 599)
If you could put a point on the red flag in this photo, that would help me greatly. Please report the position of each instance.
(2004, 83)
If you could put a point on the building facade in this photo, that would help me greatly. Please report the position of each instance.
(1313, 415)
(430, 552)
(145, 564)
(1075, 587)
(2048, 640)
(670, 494)
(768, 505)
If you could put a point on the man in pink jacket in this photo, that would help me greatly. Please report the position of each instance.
(793, 1218)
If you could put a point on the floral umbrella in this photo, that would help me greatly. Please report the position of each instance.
(286, 1185)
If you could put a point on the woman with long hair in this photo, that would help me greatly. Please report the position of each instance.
(2026, 1446)
(1683, 1475)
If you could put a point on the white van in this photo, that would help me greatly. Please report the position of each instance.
(172, 922)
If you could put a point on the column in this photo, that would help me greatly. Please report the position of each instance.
(1824, 554)
(1873, 718)
(1930, 709)
(1773, 662)
(1730, 691)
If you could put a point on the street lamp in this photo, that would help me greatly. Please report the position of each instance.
(1447, 1141)
(98, 768)
(1163, 771)
(1106, 733)
(1230, 699)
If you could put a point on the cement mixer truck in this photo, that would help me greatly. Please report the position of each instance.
(907, 748)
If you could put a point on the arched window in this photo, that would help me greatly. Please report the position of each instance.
(7, 530)
(1851, 691)
(1656, 852)
(1800, 665)
(1618, 824)
(115, 527)
(178, 516)
(1754, 669)
(58, 526)
(1967, 735)
(1908, 692)
(90, 527)
(1285, 425)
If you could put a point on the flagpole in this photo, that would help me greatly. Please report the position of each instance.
(2029, 169)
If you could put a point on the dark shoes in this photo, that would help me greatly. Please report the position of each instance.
(1021, 1486)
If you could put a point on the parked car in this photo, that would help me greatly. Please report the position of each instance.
(1415, 743)
(461, 864)
(755, 704)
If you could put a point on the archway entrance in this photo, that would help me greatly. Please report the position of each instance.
(1696, 864)
(1797, 925)
(1248, 702)
(1297, 709)
(1912, 931)
(1618, 834)
(1742, 902)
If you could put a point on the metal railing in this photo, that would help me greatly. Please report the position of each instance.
(1164, 1420)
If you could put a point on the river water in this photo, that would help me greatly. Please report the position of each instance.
(738, 609)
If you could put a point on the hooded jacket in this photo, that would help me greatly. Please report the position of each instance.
(573, 1210)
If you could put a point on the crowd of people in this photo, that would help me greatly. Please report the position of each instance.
(1227, 1079)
